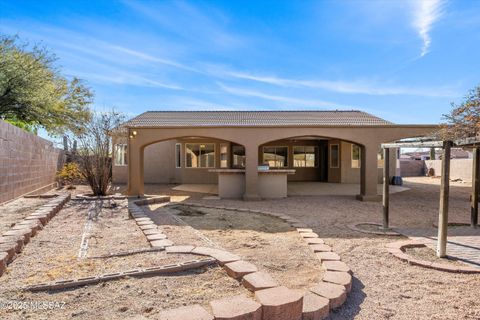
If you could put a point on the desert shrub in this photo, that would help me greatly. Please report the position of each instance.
(69, 174)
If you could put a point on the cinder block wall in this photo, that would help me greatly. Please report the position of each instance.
(27, 162)
(459, 168)
(412, 168)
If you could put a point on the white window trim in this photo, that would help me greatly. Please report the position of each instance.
(178, 161)
(214, 155)
(115, 155)
(288, 154)
(359, 156)
(315, 152)
(330, 156)
(228, 152)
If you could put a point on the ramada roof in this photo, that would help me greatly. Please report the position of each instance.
(152, 119)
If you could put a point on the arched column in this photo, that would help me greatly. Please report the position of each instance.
(135, 168)
(369, 173)
(251, 172)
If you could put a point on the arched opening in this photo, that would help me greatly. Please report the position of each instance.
(187, 163)
(322, 165)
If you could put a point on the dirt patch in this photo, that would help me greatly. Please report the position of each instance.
(131, 298)
(53, 255)
(427, 254)
(14, 211)
(269, 243)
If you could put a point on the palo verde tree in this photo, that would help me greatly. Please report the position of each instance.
(33, 92)
(464, 119)
(94, 149)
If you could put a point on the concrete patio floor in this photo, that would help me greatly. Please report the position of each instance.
(298, 189)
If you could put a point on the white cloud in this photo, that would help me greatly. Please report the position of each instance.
(425, 14)
(150, 58)
(350, 87)
(282, 99)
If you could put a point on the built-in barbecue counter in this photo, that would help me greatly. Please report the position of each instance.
(272, 183)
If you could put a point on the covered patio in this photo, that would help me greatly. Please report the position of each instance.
(298, 189)
(278, 138)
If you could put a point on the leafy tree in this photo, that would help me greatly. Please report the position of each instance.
(464, 119)
(34, 94)
(94, 150)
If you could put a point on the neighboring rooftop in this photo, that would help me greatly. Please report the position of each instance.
(254, 118)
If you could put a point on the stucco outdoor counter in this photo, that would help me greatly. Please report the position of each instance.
(272, 184)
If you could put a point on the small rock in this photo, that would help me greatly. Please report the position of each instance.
(122, 309)
(147, 309)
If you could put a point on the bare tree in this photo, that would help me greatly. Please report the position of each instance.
(464, 119)
(94, 150)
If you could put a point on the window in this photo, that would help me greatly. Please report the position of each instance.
(305, 156)
(178, 158)
(380, 158)
(199, 155)
(223, 155)
(275, 157)
(121, 154)
(356, 160)
(334, 156)
(238, 153)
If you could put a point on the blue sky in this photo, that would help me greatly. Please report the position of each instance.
(404, 61)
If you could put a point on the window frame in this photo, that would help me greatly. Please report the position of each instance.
(315, 152)
(200, 143)
(233, 165)
(330, 155)
(380, 159)
(288, 155)
(124, 158)
(226, 153)
(359, 156)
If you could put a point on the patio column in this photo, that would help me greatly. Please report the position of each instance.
(444, 198)
(369, 174)
(135, 168)
(475, 187)
(386, 187)
(251, 172)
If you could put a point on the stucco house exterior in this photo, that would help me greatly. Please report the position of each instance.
(251, 152)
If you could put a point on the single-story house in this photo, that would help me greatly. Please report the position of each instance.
(253, 154)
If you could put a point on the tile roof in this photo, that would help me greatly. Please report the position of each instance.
(253, 118)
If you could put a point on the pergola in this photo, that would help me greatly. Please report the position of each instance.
(474, 143)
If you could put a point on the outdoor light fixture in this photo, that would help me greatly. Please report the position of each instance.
(133, 134)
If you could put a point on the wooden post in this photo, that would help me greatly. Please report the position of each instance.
(475, 187)
(386, 187)
(432, 153)
(444, 198)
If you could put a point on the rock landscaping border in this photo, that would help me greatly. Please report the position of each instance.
(144, 272)
(88, 197)
(356, 227)
(272, 300)
(13, 240)
(155, 237)
(455, 224)
(397, 249)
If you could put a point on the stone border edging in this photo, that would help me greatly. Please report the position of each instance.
(355, 227)
(84, 196)
(397, 249)
(455, 224)
(13, 241)
(155, 237)
(329, 294)
(150, 271)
